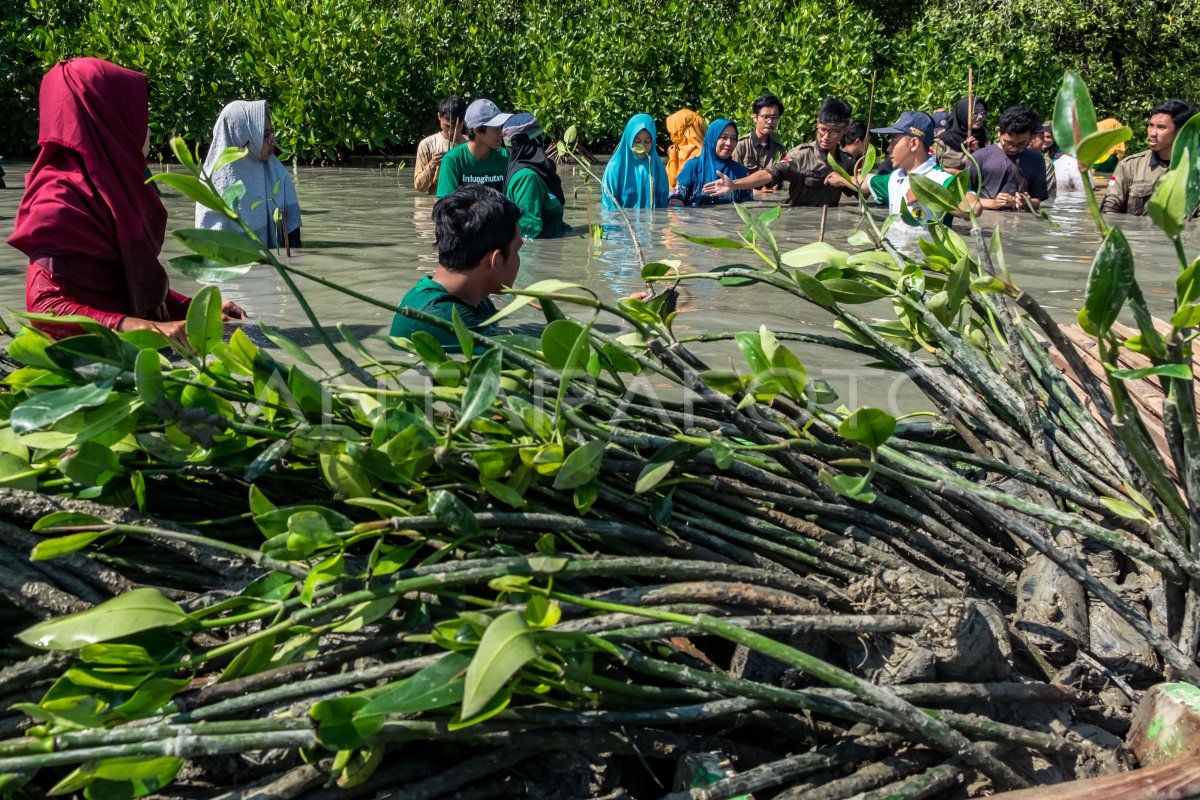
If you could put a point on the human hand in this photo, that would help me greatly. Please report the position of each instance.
(437, 159)
(231, 310)
(970, 144)
(1005, 200)
(833, 179)
(722, 185)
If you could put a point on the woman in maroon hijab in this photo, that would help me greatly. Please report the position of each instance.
(90, 226)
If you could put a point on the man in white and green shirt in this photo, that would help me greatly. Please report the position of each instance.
(482, 158)
(911, 138)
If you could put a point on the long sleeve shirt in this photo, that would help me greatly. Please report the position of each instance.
(425, 173)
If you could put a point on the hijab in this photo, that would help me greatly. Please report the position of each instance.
(710, 164)
(686, 129)
(956, 134)
(630, 178)
(525, 152)
(1118, 150)
(243, 123)
(86, 194)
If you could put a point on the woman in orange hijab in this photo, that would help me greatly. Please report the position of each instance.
(686, 129)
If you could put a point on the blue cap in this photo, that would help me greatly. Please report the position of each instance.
(912, 123)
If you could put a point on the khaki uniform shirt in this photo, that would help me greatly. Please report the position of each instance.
(753, 154)
(805, 170)
(1134, 181)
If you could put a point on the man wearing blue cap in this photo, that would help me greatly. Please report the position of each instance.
(911, 138)
(481, 159)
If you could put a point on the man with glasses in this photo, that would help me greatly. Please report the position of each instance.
(758, 149)
(1136, 176)
(1008, 176)
(810, 180)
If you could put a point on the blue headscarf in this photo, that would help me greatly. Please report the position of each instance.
(705, 167)
(628, 176)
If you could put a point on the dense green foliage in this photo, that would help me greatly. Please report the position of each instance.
(354, 75)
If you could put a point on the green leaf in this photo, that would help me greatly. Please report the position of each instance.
(1123, 509)
(816, 253)
(580, 466)
(869, 426)
(848, 486)
(562, 347)
(1074, 114)
(462, 333)
(183, 155)
(724, 381)
(1109, 281)
(719, 242)
(932, 195)
(439, 685)
(199, 268)
(49, 407)
(345, 475)
(814, 289)
(1180, 371)
(133, 612)
(328, 570)
(1169, 203)
(192, 188)
(204, 327)
(89, 464)
(226, 247)
(505, 647)
(529, 294)
(482, 387)
(227, 157)
(339, 727)
(658, 269)
(787, 370)
(64, 545)
(148, 375)
(453, 513)
(58, 520)
(1097, 144)
(1187, 316)
(651, 475)
(285, 344)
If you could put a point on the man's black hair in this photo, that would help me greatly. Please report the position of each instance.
(1020, 119)
(452, 107)
(766, 100)
(472, 222)
(834, 111)
(1180, 111)
(856, 131)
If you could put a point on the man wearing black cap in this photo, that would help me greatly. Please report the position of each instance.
(482, 159)
(1008, 175)
(908, 150)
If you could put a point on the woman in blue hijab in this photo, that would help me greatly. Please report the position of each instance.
(716, 158)
(635, 176)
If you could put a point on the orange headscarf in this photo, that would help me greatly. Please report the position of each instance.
(687, 140)
(1111, 124)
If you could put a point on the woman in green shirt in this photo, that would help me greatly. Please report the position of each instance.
(531, 180)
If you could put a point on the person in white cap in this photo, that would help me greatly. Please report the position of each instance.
(482, 159)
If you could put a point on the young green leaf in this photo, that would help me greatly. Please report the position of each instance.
(505, 647)
(1074, 114)
(580, 466)
(869, 426)
(1109, 281)
(204, 327)
(135, 611)
(482, 387)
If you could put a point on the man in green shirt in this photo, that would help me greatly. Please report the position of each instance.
(1136, 176)
(482, 158)
(478, 242)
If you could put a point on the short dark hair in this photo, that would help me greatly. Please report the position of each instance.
(1020, 119)
(452, 107)
(470, 223)
(856, 131)
(1180, 111)
(834, 111)
(766, 100)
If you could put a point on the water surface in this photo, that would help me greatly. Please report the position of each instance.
(367, 229)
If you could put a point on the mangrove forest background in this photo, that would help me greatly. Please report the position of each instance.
(352, 76)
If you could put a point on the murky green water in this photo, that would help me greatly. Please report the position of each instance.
(369, 230)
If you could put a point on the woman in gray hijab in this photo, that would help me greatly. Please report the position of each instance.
(247, 124)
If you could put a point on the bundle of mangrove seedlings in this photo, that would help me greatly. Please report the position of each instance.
(588, 564)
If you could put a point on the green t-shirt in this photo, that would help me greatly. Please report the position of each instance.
(431, 297)
(459, 167)
(542, 213)
(892, 190)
